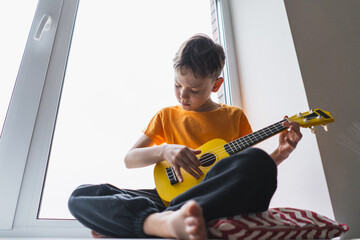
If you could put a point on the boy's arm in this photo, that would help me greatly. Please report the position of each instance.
(144, 153)
(288, 141)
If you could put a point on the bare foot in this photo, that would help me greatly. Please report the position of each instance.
(97, 235)
(185, 223)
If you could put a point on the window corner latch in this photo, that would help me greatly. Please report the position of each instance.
(44, 25)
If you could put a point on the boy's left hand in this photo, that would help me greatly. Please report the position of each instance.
(288, 141)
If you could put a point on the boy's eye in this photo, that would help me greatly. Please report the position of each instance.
(193, 91)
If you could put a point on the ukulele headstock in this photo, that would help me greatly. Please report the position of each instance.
(312, 118)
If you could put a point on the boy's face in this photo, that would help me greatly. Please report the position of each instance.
(194, 93)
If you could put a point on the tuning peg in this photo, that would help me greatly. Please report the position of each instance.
(313, 130)
(299, 115)
(326, 128)
(318, 117)
(311, 111)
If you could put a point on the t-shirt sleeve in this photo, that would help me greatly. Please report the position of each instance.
(155, 130)
(245, 127)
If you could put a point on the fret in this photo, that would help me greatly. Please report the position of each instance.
(251, 142)
(228, 149)
(248, 139)
(264, 132)
(280, 126)
(253, 138)
(237, 144)
(268, 128)
(259, 136)
(241, 143)
(233, 148)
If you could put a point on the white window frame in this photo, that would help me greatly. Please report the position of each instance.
(28, 129)
(223, 34)
(26, 136)
(22, 111)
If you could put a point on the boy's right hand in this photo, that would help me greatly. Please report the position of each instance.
(182, 157)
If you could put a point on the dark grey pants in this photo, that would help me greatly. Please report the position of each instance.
(242, 183)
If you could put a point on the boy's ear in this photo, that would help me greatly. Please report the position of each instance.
(217, 84)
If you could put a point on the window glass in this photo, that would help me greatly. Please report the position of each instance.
(119, 75)
(14, 33)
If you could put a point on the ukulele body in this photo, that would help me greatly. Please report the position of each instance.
(211, 153)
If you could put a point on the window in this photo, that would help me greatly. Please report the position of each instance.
(29, 131)
(119, 74)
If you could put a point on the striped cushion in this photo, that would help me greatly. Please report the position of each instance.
(277, 223)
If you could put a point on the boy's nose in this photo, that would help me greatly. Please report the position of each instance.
(184, 94)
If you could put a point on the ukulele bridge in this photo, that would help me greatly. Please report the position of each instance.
(171, 175)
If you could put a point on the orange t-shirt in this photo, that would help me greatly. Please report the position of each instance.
(173, 125)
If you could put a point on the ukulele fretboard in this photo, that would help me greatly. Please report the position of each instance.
(253, 138)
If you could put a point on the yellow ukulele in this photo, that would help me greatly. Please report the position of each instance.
(167, 184)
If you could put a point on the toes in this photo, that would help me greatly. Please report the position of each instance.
(193, 209)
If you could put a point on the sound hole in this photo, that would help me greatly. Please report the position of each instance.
(207, 159)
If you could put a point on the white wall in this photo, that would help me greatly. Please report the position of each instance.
(271, 87)
(327, 39)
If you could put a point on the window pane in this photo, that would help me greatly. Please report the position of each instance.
(14, 33)
(119, 75)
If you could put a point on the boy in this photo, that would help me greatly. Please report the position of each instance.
(238, 184)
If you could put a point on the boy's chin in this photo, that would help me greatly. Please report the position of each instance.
(191, 109)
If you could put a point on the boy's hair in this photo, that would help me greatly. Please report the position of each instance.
(201, 55)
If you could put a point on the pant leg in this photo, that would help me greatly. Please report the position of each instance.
(241, 183)
(114, 212)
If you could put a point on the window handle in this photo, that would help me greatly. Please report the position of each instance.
(44, 25)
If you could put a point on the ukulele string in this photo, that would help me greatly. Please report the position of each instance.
(244, 143)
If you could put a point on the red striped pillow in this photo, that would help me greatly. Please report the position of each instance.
(277, 223)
